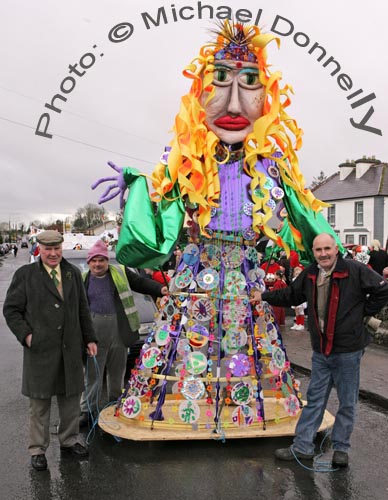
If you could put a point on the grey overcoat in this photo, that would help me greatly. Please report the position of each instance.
(60, 329)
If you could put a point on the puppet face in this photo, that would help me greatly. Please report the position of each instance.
(237, 102)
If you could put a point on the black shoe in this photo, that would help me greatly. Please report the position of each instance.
(289, 454)
(39, 462)
(84, 419)
(77, 450)
(340, 458)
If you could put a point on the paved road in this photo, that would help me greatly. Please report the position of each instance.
(374, 364)
(235, 470)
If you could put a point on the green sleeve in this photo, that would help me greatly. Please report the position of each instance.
(147, 238)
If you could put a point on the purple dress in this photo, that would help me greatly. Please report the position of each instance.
(216, 352)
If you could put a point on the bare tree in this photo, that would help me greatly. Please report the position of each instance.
(88, 216)
(317, 181)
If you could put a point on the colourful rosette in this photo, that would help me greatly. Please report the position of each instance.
(238, 364)
(234, 312)
(268, 183)
(190, 254)
(189, 411)
(243, 415)
(162, 335)
(198, 336)
(183, 347)
(196, 363)
(272, 333)
(242, 393)
(232, 256)
(210, 256)
(138, 386)
(192, 388)
(201, 309)
(278, 360)
(273, 171)
(234, 340)
(235, 282)
(292, 405)
(183, 278)
(151, 357)
(208, 279)
(131, 407)
(251, 254)
(247, 208)
(255, 274)
(169, 308)
(277, 193)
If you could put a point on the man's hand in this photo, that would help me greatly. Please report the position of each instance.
(255, 295)
(28, 340)
(91, 349)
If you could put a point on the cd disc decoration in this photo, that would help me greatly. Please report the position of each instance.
(213, 357)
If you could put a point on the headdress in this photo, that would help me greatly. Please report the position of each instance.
(232, 43)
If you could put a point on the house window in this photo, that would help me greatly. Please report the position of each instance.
(359, 213)
(331, 215)
(362, 240)
(349, 238)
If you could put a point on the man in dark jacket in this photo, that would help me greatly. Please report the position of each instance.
(116, 321)
(340, 295)
(378, 258)
(47, 310)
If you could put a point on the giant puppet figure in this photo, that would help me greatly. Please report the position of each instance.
(230, 166)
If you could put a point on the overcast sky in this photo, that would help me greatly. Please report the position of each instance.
(123, 105)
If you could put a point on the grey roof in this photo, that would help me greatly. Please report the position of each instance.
(373, 183)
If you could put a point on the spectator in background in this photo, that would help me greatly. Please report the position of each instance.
(270, 267)
(378, 258)
(172, 263)
(289, 264)
(299, 310)
(279, 312)
(362, 255)
(161, 277)
(34, 251)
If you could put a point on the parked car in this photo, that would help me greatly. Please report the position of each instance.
(2, 250)
(145, 304)
(24, 244)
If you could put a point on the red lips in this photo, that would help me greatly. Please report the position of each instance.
(232, 122)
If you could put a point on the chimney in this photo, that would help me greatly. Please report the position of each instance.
(364, 164)
(346, 169)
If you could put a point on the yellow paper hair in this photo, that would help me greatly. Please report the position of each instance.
(192, 160)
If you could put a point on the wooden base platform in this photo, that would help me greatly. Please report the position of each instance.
(172, 429)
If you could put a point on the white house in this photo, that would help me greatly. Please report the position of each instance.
(358, 197)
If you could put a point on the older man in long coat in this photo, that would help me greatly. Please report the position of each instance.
(47, 310)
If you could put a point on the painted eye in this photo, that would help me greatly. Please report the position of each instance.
(222, 75)
(249, 78)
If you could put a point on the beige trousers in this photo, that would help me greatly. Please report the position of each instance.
(68, 429)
